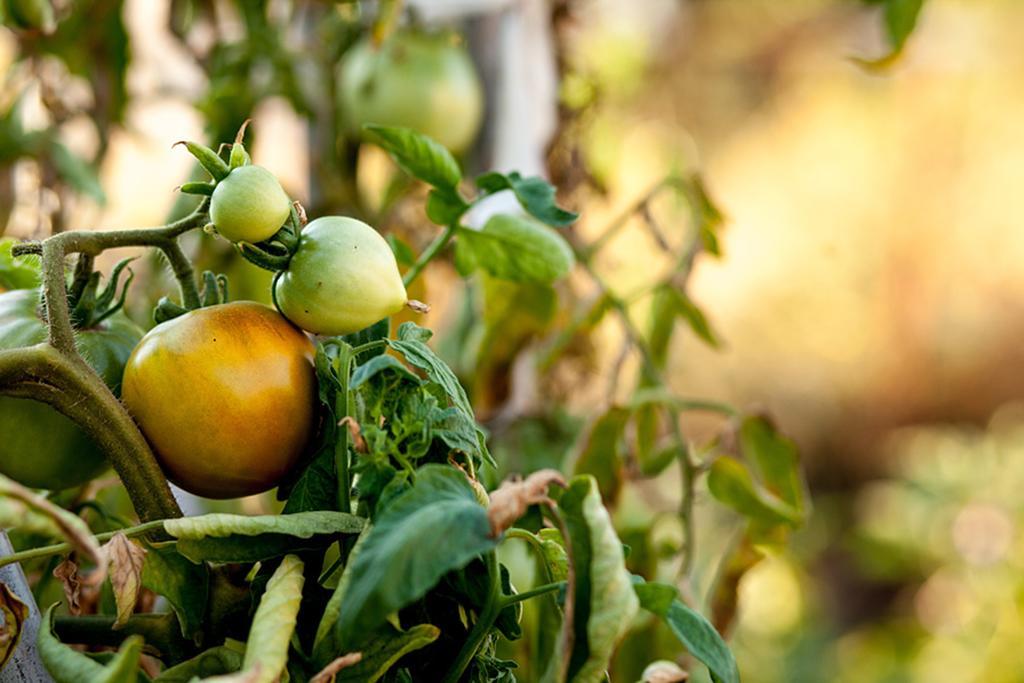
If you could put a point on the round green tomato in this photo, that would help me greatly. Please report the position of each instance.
(342, 278)
(33, 15)
(415, 80)
(226, 396)
(40, 447)
(249, 205)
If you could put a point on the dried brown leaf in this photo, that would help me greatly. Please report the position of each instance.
(354, 432)
(126, 559)
(67, 573)
(329, 672)
(14, 613)
(510, 501)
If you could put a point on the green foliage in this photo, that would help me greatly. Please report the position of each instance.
(70, 666)
(535, 195)
(393, 568)
(692, 629)
(515, 248)
(221, 537)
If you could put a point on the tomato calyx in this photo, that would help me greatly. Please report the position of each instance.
(213, 293)
(88, 304)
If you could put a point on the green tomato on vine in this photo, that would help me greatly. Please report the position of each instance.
(416, 80)
(249, 205)
(342, 278)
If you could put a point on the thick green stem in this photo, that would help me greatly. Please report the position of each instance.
(67, 383)
(343, 409)
(483, 623)
(435, 247)
(61, 548)
(161, 631)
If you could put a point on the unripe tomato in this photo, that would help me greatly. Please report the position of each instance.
(225, 395)
(249, 205)
(416, 80)
(33, 15)
(40, 447)
(342, 279)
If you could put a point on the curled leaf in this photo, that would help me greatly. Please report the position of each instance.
(67, 573)
(329, 672)
(274, 622)
(126, 561)
(21, 508)
(354, 432)
(14, 613)
(511, 500)
(663, 671)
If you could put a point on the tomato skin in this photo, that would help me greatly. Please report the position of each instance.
(225, 395)
(416, 80)
(249, 205)
(40, 447)
(342, 279)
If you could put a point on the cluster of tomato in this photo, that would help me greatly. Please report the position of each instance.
(226, 395)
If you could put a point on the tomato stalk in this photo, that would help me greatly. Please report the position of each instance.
(342, 409)
(435, 247)
(55, 373)
(484, 623)
(61, 548)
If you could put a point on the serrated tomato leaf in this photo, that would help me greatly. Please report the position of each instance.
(418, 155)
(433, 528)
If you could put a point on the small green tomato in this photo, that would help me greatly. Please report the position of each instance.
(249, 205)
(342, 279)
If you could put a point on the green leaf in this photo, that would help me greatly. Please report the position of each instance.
(520, 249)
(274, 622)
(222, 537)
(706, 215)
(317, 487)
(604, 602)
(598, 452)
(775, 457)
(67, 665)
(216, 661)
(434, 528)
(379, 364)
(411, 343)
(183, 583)
(695, 318)
(385, 647)
(17, 273)
(691, 628)
(326, 644)
(731, 484)
(418, 155)
(535, 194)
(445, 207)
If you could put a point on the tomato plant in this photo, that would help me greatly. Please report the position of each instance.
(399, 555)
(249, 412)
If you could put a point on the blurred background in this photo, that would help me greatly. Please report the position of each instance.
(868, 297)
